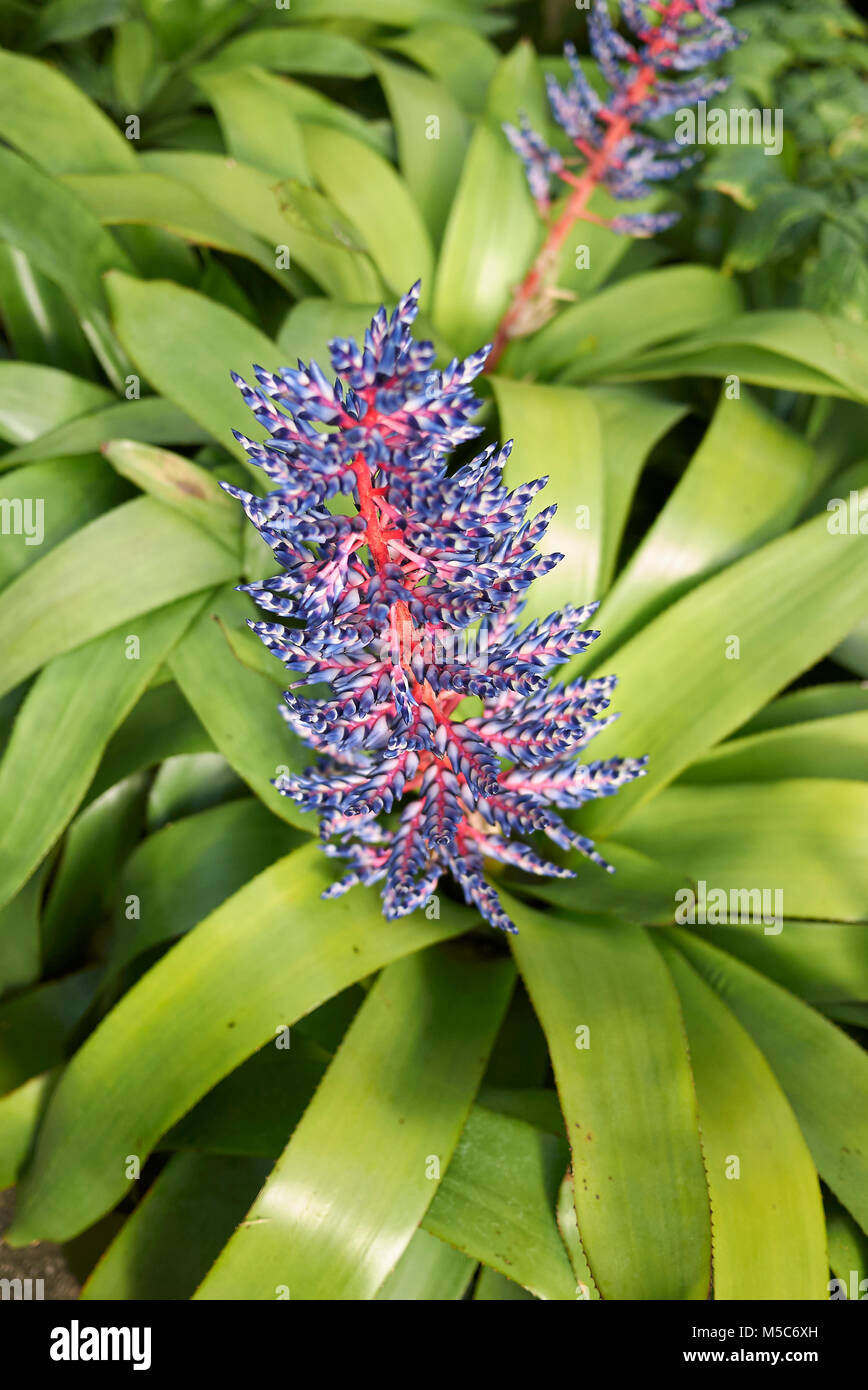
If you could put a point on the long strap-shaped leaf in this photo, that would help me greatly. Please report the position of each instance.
(769, 1238)
(267, 956)
(239, 707)
(493, 229)
(189, 867)
(822, 962)
(428, 1271)
(610, 1014)
(334, 1219)
(798, 350)
(801, 843)
(178, 1228)
(19, 1116)
(685, 684)
(35, 1026)
(744, 484)
(186, 345)
(498, 1199)
(823, 1072)
(833, 747)
(128, 562)
(62, 728)
(557, 435)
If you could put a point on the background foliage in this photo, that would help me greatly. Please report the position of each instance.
(160, 919)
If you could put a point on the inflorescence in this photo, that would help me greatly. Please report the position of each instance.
(405, 609)
(672, 37)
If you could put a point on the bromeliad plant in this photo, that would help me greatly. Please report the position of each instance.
(386, 599)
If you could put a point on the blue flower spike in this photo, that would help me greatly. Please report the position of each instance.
(406, 608)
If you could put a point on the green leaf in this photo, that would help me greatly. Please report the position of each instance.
(150, 199)
(151, 419)
(589, 338)
(368, 191)
(137, 69)
(803, 839)
(19, 1116)
(428, 1271)
(317, 52)
(74, 492)
(311, 323)
(49, 118)
(66, 720)
(313, 108)
(492, 1287)
(557, 434)
(627, 1095)
(811, 702)
(632, 421)
(759, 234)
(186, 346)
(848, 1247)
(400, 14)
(181, 485)
(853, 651)
(823, 1072)
(162, 725)
(188, 868)
(62, 20)
(824, 963)
(20, 945)
(430, 156)
(257, 120)
(85, 881)
(185, 785)
(128, 562)
(238, 706)
(188, 24)
(493, 228)
(39, 323)
(35, 1026)
(463, 61)
(745, 483)
(34, 399)
(255, 200)
(836, 747)
(569, 1228)
(787, 604)
(255, 1108)
(533, 1104)
(314, 214)
(769, 1238)
(178, 1228)
(268, 955)
(399, 1090)
(497, 1202)
(794, 349)
(64, 240)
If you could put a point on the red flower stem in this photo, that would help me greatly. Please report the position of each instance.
(575, 209)
(399, 614)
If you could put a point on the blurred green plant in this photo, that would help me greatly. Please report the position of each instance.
(801, 235)
(160, 921)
